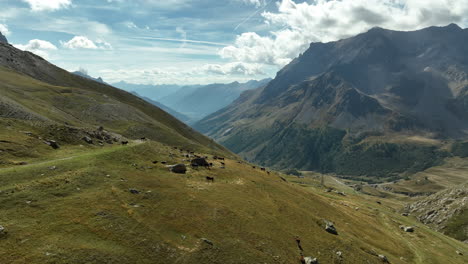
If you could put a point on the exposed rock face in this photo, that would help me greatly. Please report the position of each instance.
(375, 84)
(3, 39)
(445, 211)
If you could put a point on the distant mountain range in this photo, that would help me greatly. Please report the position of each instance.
(193, 101)
(198, 102)
(154, 92)
(355, 106)
(171, 111)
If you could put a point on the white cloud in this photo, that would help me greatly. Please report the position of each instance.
(81, 42)
(256, 3)
(38, 47)
(234, 68)
(296, 25)
(4, 30)
(204, 74)
(48, 5)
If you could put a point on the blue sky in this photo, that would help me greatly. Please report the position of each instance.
(201, 41)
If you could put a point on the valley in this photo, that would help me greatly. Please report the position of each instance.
(356, 152)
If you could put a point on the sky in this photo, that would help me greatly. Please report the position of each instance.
(201, 41)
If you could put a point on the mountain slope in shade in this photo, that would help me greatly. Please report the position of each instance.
(349, 106)
(198, 102)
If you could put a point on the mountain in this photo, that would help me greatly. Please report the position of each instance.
(154, 92)
(3, 39)
(86, 177)
(378, 104)
(35, 91)
(85, 75)
(198, 102)
(172, 112)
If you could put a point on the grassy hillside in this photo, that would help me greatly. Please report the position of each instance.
(32, 105)
(82, 211)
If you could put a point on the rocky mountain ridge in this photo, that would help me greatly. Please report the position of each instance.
(363, 96)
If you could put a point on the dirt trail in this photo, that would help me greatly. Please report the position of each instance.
(91, 153)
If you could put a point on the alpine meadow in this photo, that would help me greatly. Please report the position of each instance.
(234, 132)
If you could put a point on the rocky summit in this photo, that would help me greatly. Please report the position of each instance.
(380, 103)
(3, 39)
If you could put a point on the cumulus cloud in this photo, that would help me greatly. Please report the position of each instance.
(81, 42)
(4, 30)
(296, 25)
(48, 5)
(38, 47)
(205, 74)
(234, 68)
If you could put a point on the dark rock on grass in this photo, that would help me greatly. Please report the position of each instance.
(52, 143)
(3, 232)
(179, 168)
(330, 228)
(88, 140)
(207, 241)
(408, 229)
(200, 162)
(134, 191)
(383, 258)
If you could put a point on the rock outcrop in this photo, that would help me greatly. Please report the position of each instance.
(444, 211)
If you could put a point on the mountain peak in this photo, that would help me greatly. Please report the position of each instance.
(453, 26)
(3, 39)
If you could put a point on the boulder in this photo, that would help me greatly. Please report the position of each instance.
(310, 260)
(207, 241)
(384, 259)
(88, 140)
(200, 162)
(134, 191)
(52, 143)
(330, 228)
(2, 231)
(179, 168)
(408, 229)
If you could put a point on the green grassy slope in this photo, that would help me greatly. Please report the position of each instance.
(83, 212)
(38, 105)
